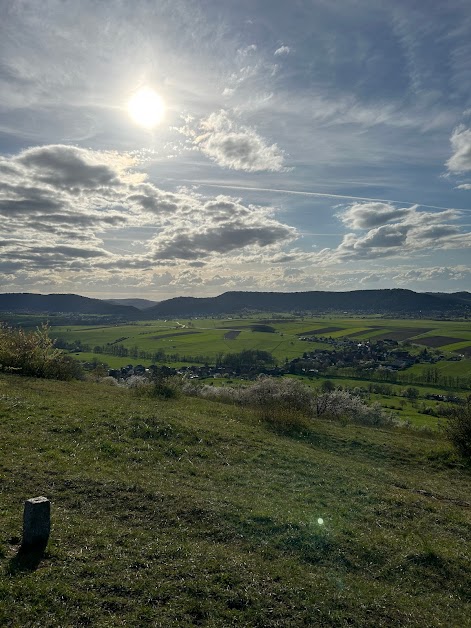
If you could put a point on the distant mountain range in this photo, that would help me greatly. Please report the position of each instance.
(394, 302)
(64, 303)
(141, 304)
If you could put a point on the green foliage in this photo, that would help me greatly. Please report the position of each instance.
(33, 353)
(411, 393)
(458, 428)
(247, 360)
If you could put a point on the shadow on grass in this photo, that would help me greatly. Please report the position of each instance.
(26, 559)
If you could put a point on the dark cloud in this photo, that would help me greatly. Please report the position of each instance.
(369, 215)
(67, 167)
(221, 240)
(58, 198)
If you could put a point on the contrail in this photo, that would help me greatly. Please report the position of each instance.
(318, 194)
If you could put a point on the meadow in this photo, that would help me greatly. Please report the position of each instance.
(188, 512)
(201, 340)
(212, 337)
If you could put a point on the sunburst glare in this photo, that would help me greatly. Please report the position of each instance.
(146, 108)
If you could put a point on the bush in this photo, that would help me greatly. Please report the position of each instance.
(458, 429)
(342, 405)
(287, 402)
(283, 402)
(33, 353)
(159, 386)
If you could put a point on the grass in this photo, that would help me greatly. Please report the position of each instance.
(187, 512)
(285, 343)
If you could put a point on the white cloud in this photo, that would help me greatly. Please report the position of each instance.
(65, 209)
(392, 232)
(436, 273)
(243, 52)
(464, 186)
(282, 51)
(237, 147)
(460, 140)
(371, 278)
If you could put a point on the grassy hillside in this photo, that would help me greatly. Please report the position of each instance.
(187, 512)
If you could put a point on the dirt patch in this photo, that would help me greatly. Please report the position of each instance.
(364, 332)
(466, 351)
(322, 330)
(437, 341)
(178, 333)
(231, 335)
(403, 334)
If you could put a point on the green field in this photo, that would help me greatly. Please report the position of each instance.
(188, 512)
(202, 340)
(209, 337)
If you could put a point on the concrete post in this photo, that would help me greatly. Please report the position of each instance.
(36, 522)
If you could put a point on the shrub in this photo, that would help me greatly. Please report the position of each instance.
(342, 405)
(160, 386)
(283, 402)
(458, 429)
(287, 402)
(33, 353)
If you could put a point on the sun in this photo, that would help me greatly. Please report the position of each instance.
(146, 108)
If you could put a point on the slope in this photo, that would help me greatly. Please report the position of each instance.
(187, 512)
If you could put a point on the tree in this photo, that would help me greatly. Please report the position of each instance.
(458, 429)
(33, 353)
(411, 393)
(327, 386)
(248, 360)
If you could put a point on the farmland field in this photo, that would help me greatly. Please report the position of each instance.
(211, 337)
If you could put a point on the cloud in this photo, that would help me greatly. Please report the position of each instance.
(368, 215)
(65, 209)
(436, 273)
(237, 147)
(460, 140)
(282, 51)
(464, 186)
(67, 167)
(392, 232)
(219, 240)
(243, 52)
(371, 278)
(221, 226)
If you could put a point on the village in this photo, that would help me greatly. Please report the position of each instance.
(386, 356)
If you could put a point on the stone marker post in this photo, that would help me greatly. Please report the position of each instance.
(36, 522)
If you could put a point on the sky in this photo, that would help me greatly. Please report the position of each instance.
(275, 146)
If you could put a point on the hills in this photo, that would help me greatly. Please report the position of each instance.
(64, 303)
(141, 304)
(396, 302)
